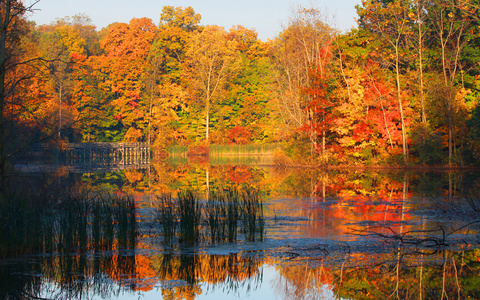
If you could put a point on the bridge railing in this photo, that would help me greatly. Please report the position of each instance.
(116, 153)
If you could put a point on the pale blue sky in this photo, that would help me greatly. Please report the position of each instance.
(265, 16)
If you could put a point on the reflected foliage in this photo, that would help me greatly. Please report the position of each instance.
(97, 244)
(226, 272)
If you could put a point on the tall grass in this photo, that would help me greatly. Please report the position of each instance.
(214, 213)
(178, 150)
(254, 220)
(218, 219)
(190, 211)
(226, 154)
(223, 214)
(233, 214)
(77, 221)
(167, 216)
(87, 220)
(26, 226)
(242, 150)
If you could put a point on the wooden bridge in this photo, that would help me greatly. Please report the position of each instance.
(108, 153)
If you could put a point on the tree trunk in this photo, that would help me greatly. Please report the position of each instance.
(3, 57)
(400, 107)
(207, 121)
(420, 62)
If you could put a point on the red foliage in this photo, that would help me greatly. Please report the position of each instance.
(198, 150)
(240, 174)
(239, 135)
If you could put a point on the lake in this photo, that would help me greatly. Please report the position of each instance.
(337, 234)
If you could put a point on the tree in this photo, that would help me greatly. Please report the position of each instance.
(166, 85)
(127, 47)
(57, 44)
(390, 21)
(453, 26)
(366, 126)
(179, 17)
(298, 51)
(320, 105)
(245, 112)
(92, 98)
(12, 29)
(210, 60)
(420, 16)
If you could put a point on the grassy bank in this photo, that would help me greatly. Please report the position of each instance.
(224, 154)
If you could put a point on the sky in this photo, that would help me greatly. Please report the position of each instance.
(265, 16)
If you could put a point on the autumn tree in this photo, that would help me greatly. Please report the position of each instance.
(453, 27)
(93, 99)
(245, 113)
(366, 127)
(166, 86)
(210, 60)
(321, 105)
(125, 62)
(421, 33)
(390, 21)
(298, 51)
(13, 28)
(58, 43)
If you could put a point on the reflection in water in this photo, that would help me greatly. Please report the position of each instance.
(228, 272)
(447, 274)
(178, 276)
(303, 282)
(335, 234)
(443, 275)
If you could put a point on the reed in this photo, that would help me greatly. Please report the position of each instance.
(190, 213)
(242, 150)
(177, 150)
(125, 219)
(221, 215)
(76, 221)
(253, 217)
(215, 215)
(241, 160)
(166, 215)
(25, 226)
(233, 214)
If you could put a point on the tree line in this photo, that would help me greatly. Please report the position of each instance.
(402, 88)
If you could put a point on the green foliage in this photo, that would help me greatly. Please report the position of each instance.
(427, 146)
(359, 92)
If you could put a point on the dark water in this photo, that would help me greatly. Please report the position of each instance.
(328, 235)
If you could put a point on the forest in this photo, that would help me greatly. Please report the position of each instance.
(401, 89)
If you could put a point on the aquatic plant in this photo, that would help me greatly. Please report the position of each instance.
(233, 214)
(253, 218)
(76, 221)
(190, 213)
(97, 219)
(25, 226)
(167, 216)
(215, 211)
(221, 214)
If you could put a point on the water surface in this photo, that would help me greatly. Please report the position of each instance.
(329, 235)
